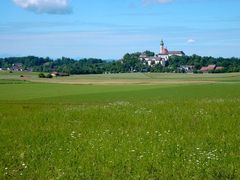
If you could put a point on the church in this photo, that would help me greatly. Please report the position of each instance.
(160, 58)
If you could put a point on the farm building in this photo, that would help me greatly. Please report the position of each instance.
(54, 74)
(17, 67)
(186, 68)
(211, 67)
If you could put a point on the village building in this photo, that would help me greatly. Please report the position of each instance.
(211, 67)
(17, 67)
(55, 74)
(160, 58)
(186, 68)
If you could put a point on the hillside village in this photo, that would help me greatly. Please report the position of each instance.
(163, 57)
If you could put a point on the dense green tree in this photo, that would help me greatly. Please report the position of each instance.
(149, 53)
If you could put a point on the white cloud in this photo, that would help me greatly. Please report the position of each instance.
(157, 1)
(45, 6)
(191, 41)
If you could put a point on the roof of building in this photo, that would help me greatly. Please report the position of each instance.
(165, 51)
(153, 59)
(211, 67)
(176, 52)
(204, 69)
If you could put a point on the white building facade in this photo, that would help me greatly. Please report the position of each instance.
(160, 58)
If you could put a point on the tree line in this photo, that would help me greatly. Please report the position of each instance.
(229, 64)
(129, 63)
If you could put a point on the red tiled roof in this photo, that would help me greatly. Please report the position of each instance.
(211, 67)
(204, 69)
(176, 52)
(165, 51)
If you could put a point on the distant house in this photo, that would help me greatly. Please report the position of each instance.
(186, 68)
(211, 67)
(54, 74)
(152, 60)
(204, 69)
(17, 67)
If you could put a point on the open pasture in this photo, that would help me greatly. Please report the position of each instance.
(126, 78)
(94, 130)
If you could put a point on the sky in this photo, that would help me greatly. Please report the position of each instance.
(110, 28)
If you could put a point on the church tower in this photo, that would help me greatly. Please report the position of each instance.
(161, 47)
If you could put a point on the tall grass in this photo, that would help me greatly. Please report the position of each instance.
(107, 132)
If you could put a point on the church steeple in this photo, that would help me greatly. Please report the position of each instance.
(161, 47)
(162, 43)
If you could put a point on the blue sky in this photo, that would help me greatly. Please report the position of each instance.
(110, 28)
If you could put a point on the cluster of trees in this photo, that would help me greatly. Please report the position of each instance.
(229, 64)
(42, 75)
(129, 63)
(27, 62)
(71, 66)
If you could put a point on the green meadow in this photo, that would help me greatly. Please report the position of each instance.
(120, 126)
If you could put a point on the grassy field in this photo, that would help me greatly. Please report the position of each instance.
(126, 78)
(120, 126)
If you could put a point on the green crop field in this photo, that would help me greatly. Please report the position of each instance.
(120, 126)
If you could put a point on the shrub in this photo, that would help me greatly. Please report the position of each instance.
(49, 76)
(41, 75)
